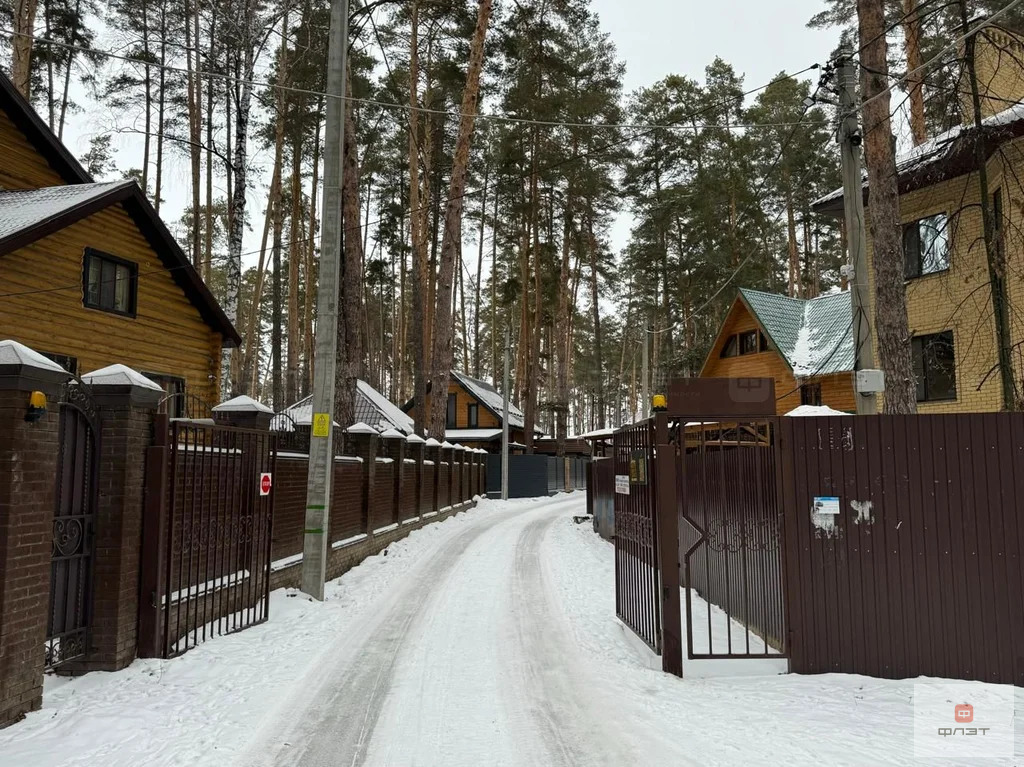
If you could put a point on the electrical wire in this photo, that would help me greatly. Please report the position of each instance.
(505, 119)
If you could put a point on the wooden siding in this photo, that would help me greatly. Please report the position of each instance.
(22, 167)
(485, 418)
(168, 335)
(836, 390)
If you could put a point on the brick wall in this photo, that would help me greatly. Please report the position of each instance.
(28, 465)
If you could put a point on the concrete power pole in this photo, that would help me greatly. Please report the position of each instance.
(645, 384)
(321, 453)
(504, 424)
(856, 238)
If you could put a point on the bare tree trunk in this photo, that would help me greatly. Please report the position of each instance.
(886, 233)
(195, 122)
(292, 379)
(21, 46)
(161, 112)
(562, 330)
(276, 386)
(596, 312)
(350, 298)
(479, 275)
(794, 254)
(208, 242)
(307, 310)
(148, 98)
(419, 253)
(450, 244)
(912, 36)
(65, 95)
(250, 336)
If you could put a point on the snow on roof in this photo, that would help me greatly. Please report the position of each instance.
(371, 407)
(13, 353)
(489, 397)
(120, 375)
(22, 209)
(934, 150)
(598, 434)
(812, 410)
(472, 435)
(241, 404)
(814, 336)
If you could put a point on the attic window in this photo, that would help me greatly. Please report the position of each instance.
(926, 246)
(109, 284)
(748, 342)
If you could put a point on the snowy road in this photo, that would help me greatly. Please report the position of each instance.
(467, 663)
(486, 639)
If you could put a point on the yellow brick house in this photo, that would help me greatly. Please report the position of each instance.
(949, 306)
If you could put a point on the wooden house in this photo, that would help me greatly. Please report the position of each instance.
(89, 274)
(475, 415)
(948, 296)
(806, 345)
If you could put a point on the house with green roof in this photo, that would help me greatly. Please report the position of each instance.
(806, 345)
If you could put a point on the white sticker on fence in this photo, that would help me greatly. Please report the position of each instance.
(826, 505)
(622, 484)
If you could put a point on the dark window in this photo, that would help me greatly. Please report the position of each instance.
(732, 347)
(67, 362)
(471, 413)
(935, 367)
(109, 283)
(748, 342)
(450, 421)
(174, 393)
(926, 246)
(810, 394)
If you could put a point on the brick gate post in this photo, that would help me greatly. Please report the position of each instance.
(28, 490)
(126, 401)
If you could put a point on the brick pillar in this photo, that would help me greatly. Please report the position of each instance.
(393, 447)
(414, 449)
(433, 453)
(28, 467)
(361, 441)
(126, 402)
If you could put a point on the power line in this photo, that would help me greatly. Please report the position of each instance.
(505, 119)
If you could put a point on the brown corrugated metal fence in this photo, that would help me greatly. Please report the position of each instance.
(920, 571)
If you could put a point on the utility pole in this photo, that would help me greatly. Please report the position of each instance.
(504, 424)
(321, 442)
(853, 202)
(645, 385)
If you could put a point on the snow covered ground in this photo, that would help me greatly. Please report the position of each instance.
(487, 639)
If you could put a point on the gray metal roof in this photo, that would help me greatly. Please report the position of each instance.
(814, 336)
(23, 209)
(371, 408)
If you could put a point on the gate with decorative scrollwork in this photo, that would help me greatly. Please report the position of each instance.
(729, 538)
(71, 569)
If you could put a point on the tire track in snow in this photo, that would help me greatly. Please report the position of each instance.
(335, 721)
(556, 692)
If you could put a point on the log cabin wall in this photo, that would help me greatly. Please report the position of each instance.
(166, 336)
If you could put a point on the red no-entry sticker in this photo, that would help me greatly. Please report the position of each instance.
(265, 483)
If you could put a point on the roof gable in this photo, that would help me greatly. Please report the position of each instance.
(489, 397)
(814, 336)
(39, 135)
(371, 408)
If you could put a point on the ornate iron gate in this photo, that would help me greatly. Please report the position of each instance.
(637, 578)
(216, 536)
(71, 569)
(729, 539)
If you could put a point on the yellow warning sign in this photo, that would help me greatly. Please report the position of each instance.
(321, 424)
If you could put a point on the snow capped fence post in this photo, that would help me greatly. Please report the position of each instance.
(448, 463)
(361, 441)
(243, 412)
(433, 454)
(393, 447)
(28, 451)
(126, 402)
(414, 449)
